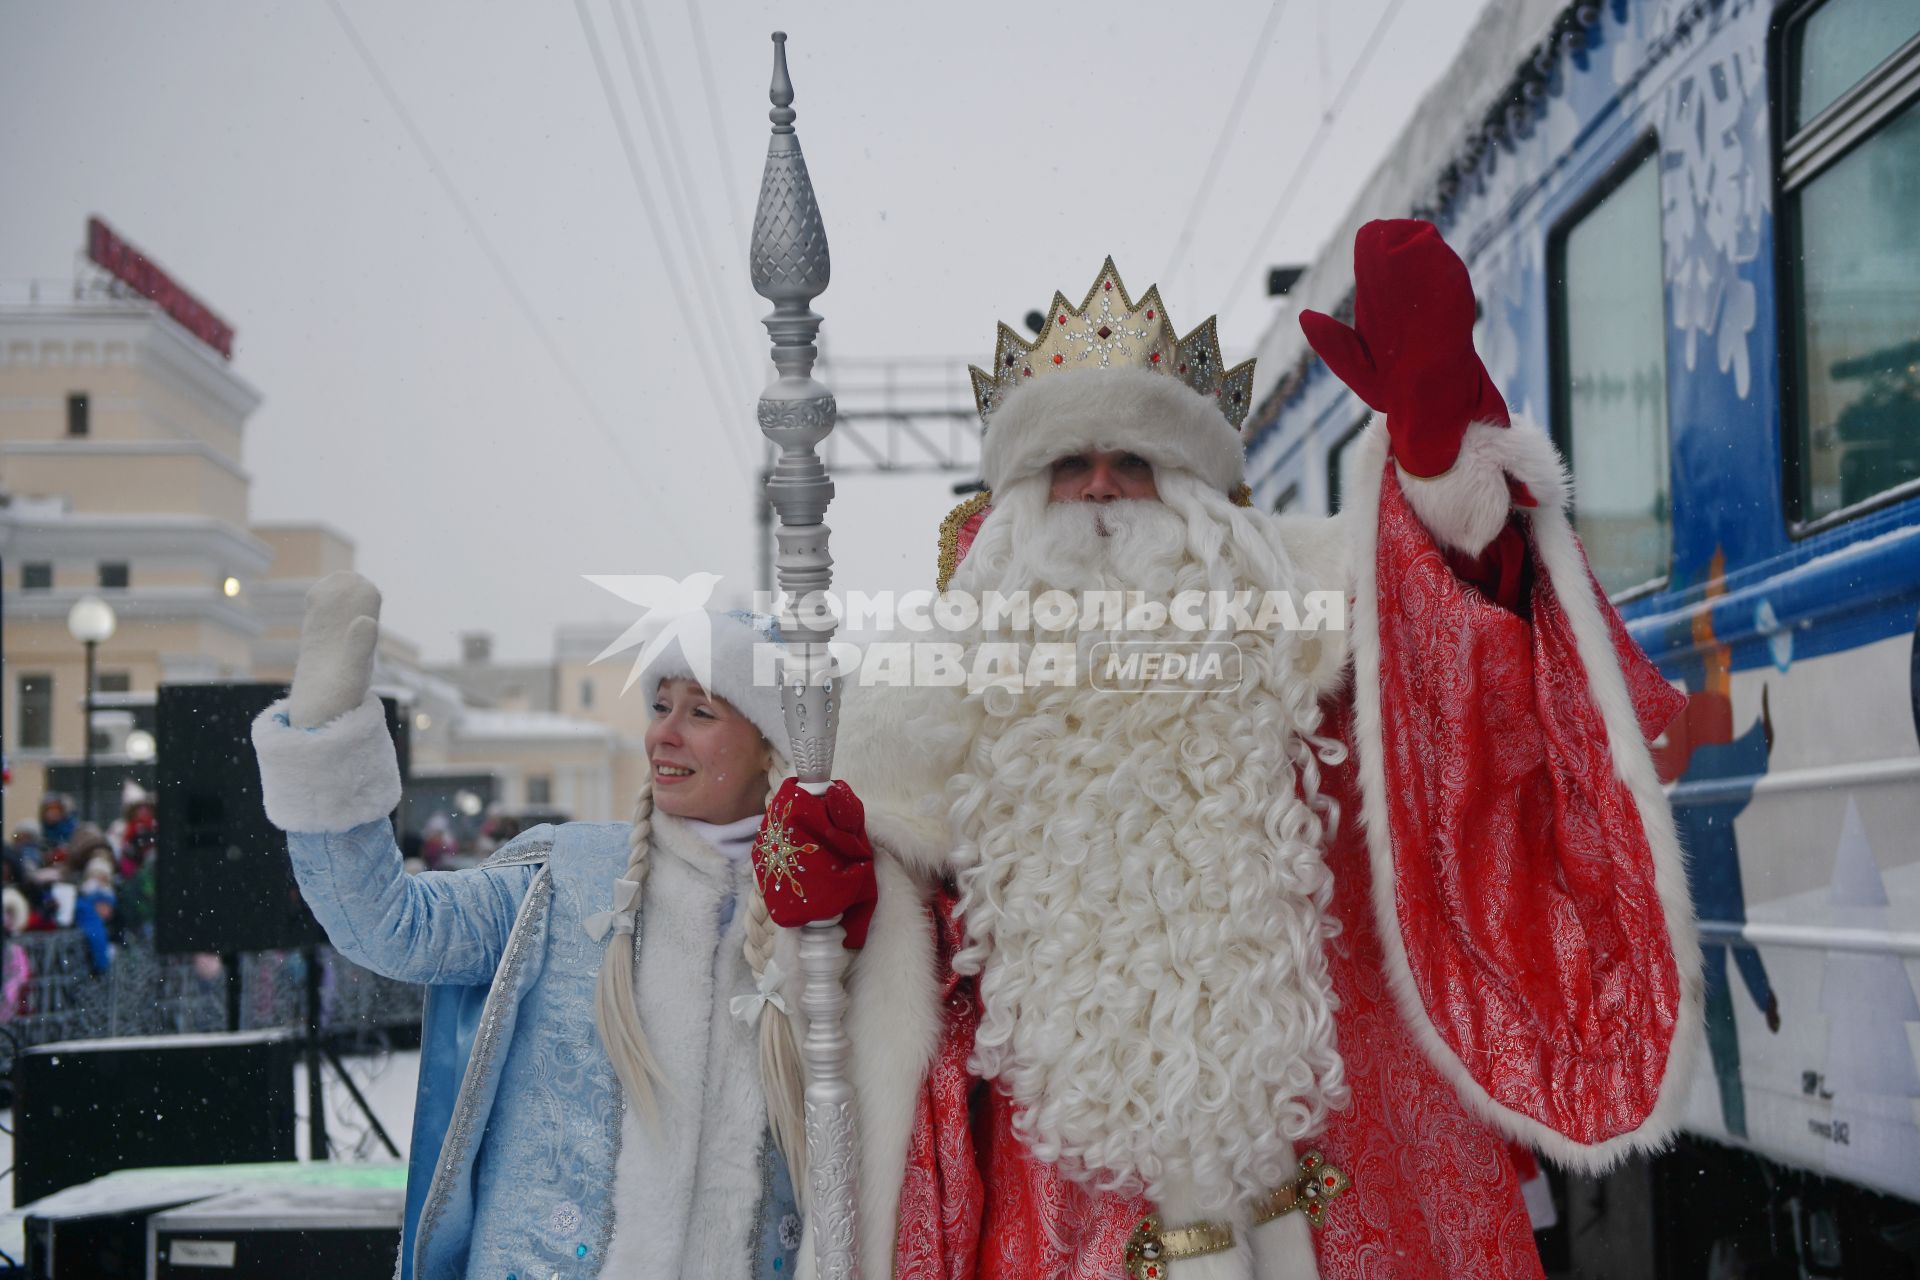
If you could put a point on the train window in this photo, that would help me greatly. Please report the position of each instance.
(1850, 174)
(1610, 375)
(1833, 46)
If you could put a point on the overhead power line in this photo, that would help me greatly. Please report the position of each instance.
(736, 212)
(722, 413)
(487, 248)
(1237, 285)
(656, 108)
(1255, 60)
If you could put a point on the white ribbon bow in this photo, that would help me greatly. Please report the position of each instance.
(620, 919)
(767, 992)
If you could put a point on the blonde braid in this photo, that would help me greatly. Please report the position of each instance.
(616, 1010)
(781, 1074)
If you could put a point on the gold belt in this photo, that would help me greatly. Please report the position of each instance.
(1310, 1191)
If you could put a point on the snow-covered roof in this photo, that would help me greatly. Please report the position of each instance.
(544, 725)
(417, 682)
(584, 639)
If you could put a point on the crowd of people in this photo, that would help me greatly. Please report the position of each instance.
(62, 873)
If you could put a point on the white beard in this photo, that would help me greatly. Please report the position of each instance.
(1144, 894)
(1085, 546)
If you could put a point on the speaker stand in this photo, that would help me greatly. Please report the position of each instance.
(316, 1087)
(316, 1049)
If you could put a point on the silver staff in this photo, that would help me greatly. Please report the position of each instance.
(790, 269)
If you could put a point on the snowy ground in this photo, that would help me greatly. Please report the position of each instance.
(386, 1081)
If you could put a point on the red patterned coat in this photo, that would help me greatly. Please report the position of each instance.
(1516, 957)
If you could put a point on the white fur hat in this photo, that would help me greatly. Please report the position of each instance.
(740, 646)
(1152, 414)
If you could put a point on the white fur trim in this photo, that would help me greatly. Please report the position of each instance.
(734, 1137)
(1559, 552)
(894, 1020)
(1152, 414)
(1322, 559)
(1230, 1264)
(332, 778)
(898, 746)
(731, 658)
(1466, 506)
(692, 1184)
(1283, 1249)
(1278, 1250)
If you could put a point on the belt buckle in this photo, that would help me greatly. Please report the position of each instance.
(1310, 1192)
(1146, 1251)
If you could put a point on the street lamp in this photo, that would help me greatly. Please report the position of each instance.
(90, 621)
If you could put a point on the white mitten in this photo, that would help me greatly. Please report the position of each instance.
(335, 667)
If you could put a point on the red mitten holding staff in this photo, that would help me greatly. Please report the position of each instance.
(814, 862)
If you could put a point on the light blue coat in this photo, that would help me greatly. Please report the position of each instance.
(525, 1162)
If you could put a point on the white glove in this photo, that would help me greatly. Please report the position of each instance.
(335, 666)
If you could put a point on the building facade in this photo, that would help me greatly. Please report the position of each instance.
(121, 476)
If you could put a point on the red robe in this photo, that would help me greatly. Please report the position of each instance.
(1540, 976)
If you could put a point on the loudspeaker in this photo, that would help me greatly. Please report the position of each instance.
(223, 882)
(88, 1107)
(280, 1233)
(286, 1221)
(101, 1246)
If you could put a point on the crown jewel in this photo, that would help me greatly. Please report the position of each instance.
(1110, 331)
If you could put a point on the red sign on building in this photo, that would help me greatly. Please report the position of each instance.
(144, 276)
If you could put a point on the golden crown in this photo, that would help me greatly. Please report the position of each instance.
(1110, 331)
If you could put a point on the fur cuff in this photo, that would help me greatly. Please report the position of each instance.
(1152, 414)
(328, 779)
(1465, 507)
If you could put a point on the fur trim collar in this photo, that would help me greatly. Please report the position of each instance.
(1152, 414)
(674, 838)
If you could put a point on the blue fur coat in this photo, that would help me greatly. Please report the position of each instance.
(526, 1163)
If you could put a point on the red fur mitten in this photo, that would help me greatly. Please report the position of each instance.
(1410, 351)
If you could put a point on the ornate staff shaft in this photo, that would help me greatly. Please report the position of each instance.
(790, 269)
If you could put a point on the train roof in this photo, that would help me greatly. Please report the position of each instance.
(1511, 42)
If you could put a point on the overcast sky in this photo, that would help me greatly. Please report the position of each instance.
(480, 371)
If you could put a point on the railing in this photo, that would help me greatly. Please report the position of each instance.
(143, 993)
(89, 288)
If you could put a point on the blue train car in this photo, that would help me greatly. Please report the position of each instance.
(1694, 230)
